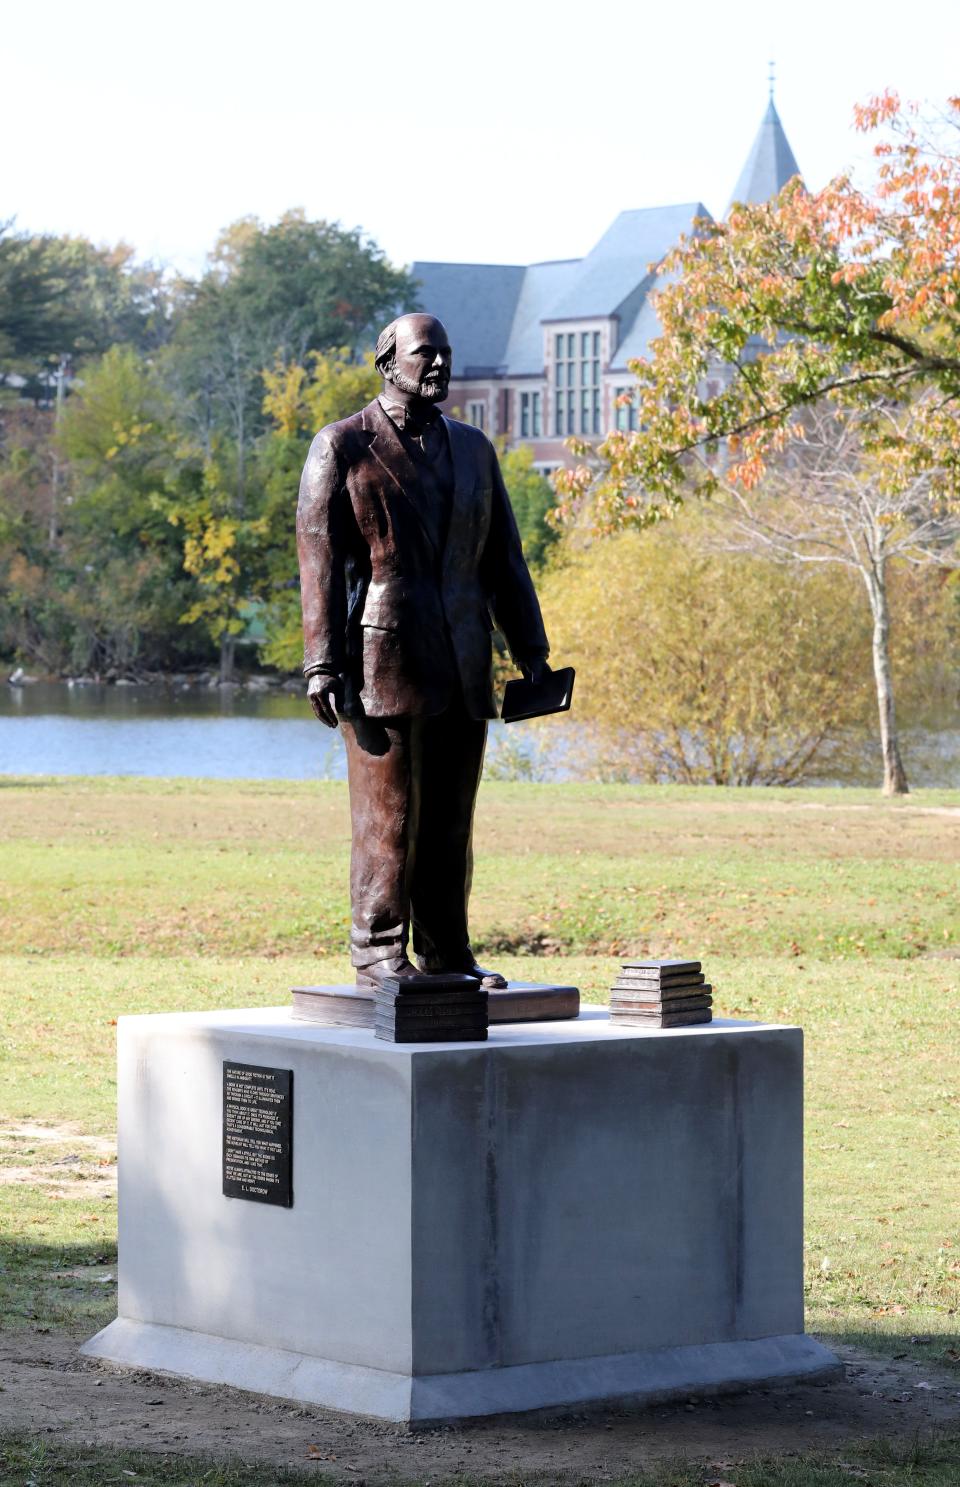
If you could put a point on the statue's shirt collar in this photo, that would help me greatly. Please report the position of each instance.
(401, 416)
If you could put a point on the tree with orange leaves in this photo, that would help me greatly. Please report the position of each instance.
(846, 298)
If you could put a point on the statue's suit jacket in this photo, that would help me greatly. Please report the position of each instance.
(403, 617)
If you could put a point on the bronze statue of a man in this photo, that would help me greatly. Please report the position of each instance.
(409, 556)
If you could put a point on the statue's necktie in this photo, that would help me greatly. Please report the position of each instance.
(429, 440)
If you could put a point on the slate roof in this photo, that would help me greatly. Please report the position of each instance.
(477, 303)
(638, 336)
(611, 271)
(496, 313)
(770, 164)
(544, 283)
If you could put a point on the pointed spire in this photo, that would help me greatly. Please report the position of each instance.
(771, 163)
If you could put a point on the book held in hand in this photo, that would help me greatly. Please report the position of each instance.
(553, 693)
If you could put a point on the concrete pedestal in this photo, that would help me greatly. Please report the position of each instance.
(567, 1213)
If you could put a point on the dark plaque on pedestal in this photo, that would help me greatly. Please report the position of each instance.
(258, 1133)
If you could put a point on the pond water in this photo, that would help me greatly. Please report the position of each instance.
(89, 729)
(86, 729)
(55, 728)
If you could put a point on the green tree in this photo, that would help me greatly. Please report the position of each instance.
(704, 667)
(846, 297)
(223, 553)
(532, 498)
(298, 401)
(283, 291)
(118, 567)
(63, 297)
(308, 285)
(28, 620)
(844, 301)
(830, 504)
(143, 527)
(42, 315)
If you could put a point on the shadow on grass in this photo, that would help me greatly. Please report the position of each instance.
(928, 1461)
(43, 1286)
(46, 1462)
(47, 1287)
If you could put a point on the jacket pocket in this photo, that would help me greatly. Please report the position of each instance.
(386, 603)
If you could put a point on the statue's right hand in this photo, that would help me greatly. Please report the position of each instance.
(323, 694)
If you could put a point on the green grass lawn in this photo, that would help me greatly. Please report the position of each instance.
(833, 909)
(27, 1462)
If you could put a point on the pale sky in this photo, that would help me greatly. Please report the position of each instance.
(500, 131)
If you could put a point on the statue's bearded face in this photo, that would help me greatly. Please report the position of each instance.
(421, 364)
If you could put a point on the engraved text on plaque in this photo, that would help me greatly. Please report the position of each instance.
(258, 1133)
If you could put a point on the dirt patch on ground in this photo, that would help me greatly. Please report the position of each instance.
(48, 1389)
(56, 1183)
(65, 1163)
(31, 1133)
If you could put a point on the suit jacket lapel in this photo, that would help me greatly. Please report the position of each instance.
(387, 447)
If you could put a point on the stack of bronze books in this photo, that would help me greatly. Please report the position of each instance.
(430, 1009)
(661, 993)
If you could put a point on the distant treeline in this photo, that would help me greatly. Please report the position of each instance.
(152, 432)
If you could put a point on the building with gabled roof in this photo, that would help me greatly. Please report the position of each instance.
(541, 352)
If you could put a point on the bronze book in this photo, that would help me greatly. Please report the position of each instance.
(521, 699)
(624, 991)
(657, 969)
(333, 1006)
(621, 1005)
(388, 1033)
(662, 1019)
(520, 1001)
(681, 979)
(408, 1006)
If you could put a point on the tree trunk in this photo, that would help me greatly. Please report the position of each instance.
(894, 774)
(53, 527)
(227, 648)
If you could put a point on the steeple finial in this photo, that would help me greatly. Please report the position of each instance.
(771, 162)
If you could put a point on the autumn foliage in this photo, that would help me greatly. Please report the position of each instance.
(848, 295)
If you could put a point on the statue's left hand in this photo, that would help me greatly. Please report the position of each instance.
(323, 694)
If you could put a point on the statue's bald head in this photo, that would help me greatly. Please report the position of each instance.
(413, 352)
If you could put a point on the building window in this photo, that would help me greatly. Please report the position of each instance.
(477, 415)
(626, 413)
(588, 380)
(577, 371)
(529, 415)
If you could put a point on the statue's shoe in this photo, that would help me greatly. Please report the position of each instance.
(492, 980)
(371, 976)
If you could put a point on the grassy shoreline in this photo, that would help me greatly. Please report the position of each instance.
(835, 910)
